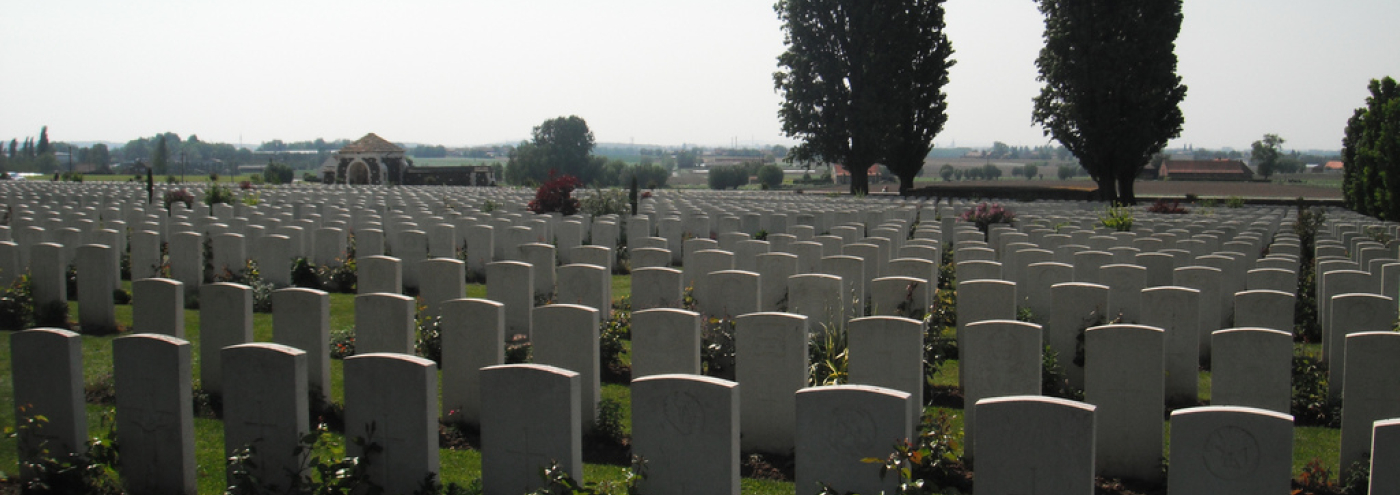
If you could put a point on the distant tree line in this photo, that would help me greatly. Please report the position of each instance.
(564, 146)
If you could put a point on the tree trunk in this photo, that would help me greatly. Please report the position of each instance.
(906, 183)
(1125, 191)
(1107, 191)
(860, 179)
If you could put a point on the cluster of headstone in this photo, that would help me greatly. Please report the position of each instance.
(1130, 315)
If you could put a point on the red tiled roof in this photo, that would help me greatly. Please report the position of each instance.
(874, 170)
(1215, 167)
(371, 143)
(1333, 165)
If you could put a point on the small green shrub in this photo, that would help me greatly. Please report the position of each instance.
(1311, 405)
(17, 305)
(218, 193)
(717, 348)
(1234, 202)
(829, 354)
(1118, 218)
(614, 331)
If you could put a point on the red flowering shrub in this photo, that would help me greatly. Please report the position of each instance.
(646, 194)
(553, 195)
(1162, 206)
(984, 215)
(245, 185)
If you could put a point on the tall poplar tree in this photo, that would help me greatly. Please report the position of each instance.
(1371, 153)
(862, 82)
(1112, 95)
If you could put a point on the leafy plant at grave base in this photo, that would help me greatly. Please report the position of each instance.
(17, 304)
(1306, 327)
(947, 270)
(321, 473)
(338, 276)
(1026, 314)
(518, 349)
(1053, 382)
(717, 348)
(256, 180)
(553, 195)
(1118, 218)
(558, 481)
(490, 206)
(170, 179)
(218, 193)
(927, 465)
(608, 427)
(54, 314)
(984, 215)
(1310, 403)
(614, 331)
(44, 471)
(427, 334)
(304, 274)
(342, 343)
(1234, 202)
(121, 296)
(1209, 203)
(1162, 206)
(1316, 479)
(762, 235)
(181, 195)
(605, 202)
(829, 354)
(70, 277)
(245, 185)
(125, 266)
(251, 199)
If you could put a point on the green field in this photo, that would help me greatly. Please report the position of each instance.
(463, 466)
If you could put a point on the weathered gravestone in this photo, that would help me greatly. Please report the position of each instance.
(838, 426)
(1041, 445)
(226, 318)
(656, 288)
(886, 351)
(1003, 358)
(384, 323)
(1123, 377)
(687, 427)
(155, 423)
(391, 401)
(301, 318)
(566, 335)
(46, 366)
(473, 337)
(1230, 450)
(512, 283)
(665, 341)
(266, 408)
(158, 306)
(1252, 367)
(1372, 391)
(771, 349)
(529, 419)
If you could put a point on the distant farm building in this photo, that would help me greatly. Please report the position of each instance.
(1334, 167)
(1200, 170)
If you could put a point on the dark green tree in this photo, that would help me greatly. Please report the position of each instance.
(770, 175)
(946, 172)
(919, 54)
(1264, 154)
(1371, 153)
(160, 157)
(849, 86)
(1030, 170)
(43, 141)
(562, 144)
(1112, 95)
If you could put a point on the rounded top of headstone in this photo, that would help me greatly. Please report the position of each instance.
(675, 377)
(1188, 411)
(266, 347)
(1038, 399)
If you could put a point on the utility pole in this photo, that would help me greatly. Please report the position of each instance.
(182, 167)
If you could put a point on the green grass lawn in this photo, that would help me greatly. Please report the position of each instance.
(463, 466)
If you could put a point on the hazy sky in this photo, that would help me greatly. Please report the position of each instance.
(653, 72)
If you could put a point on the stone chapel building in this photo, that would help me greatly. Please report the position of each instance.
(371, 160)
